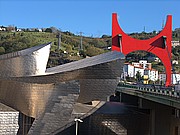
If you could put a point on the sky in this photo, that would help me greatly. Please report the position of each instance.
(91, 17)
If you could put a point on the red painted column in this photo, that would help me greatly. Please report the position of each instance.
(160, 45)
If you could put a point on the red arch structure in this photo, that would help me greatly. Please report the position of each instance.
(160, 45)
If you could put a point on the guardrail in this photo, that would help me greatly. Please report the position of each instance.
(152, 90)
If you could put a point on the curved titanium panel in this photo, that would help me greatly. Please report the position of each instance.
(104, 66)
(31, 61)
(96, 89)
(26, 85)
(28, 98)
(29, 94)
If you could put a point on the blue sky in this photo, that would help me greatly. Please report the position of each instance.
(92, 17)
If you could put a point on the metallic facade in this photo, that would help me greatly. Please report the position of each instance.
(30, 61)
(27, 86)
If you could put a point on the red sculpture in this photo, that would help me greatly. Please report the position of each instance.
(160, 45)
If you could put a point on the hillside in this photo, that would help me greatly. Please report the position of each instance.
(14, 41)
(69, 49)
(70, 44)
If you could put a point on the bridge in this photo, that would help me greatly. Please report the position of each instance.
(159, 95)
(163, 104)
(163, 95)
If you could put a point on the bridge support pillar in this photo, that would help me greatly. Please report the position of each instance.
(152, 121)
(163, 119)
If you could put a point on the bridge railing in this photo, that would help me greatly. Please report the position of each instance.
(152, 89)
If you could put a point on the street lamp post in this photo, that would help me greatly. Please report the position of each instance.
(77, 120)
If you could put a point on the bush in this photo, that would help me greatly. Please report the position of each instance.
(2, 50)
(92, 51)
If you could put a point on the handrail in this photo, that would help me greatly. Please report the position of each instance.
(153, 90)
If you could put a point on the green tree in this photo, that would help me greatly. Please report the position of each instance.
(105, 36)
(48, 30)
(69, 48)
(92, 51)
(138, 76)
(82, 53)
(2, 50)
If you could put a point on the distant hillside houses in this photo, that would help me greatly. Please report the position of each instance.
(143, 67)
(2, 28)
(175, 78)
(147, 72)
(15, 29)
(33, 30)
(175, 43)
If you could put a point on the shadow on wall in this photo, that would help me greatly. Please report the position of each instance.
(113, 119)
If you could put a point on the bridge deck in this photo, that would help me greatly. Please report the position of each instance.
(164, 96)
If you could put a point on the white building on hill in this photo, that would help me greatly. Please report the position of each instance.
(152, 74)
(175, 78)
(128, 70)
(142, 63)
(2, 29)
(143, 67)
(175, 43)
